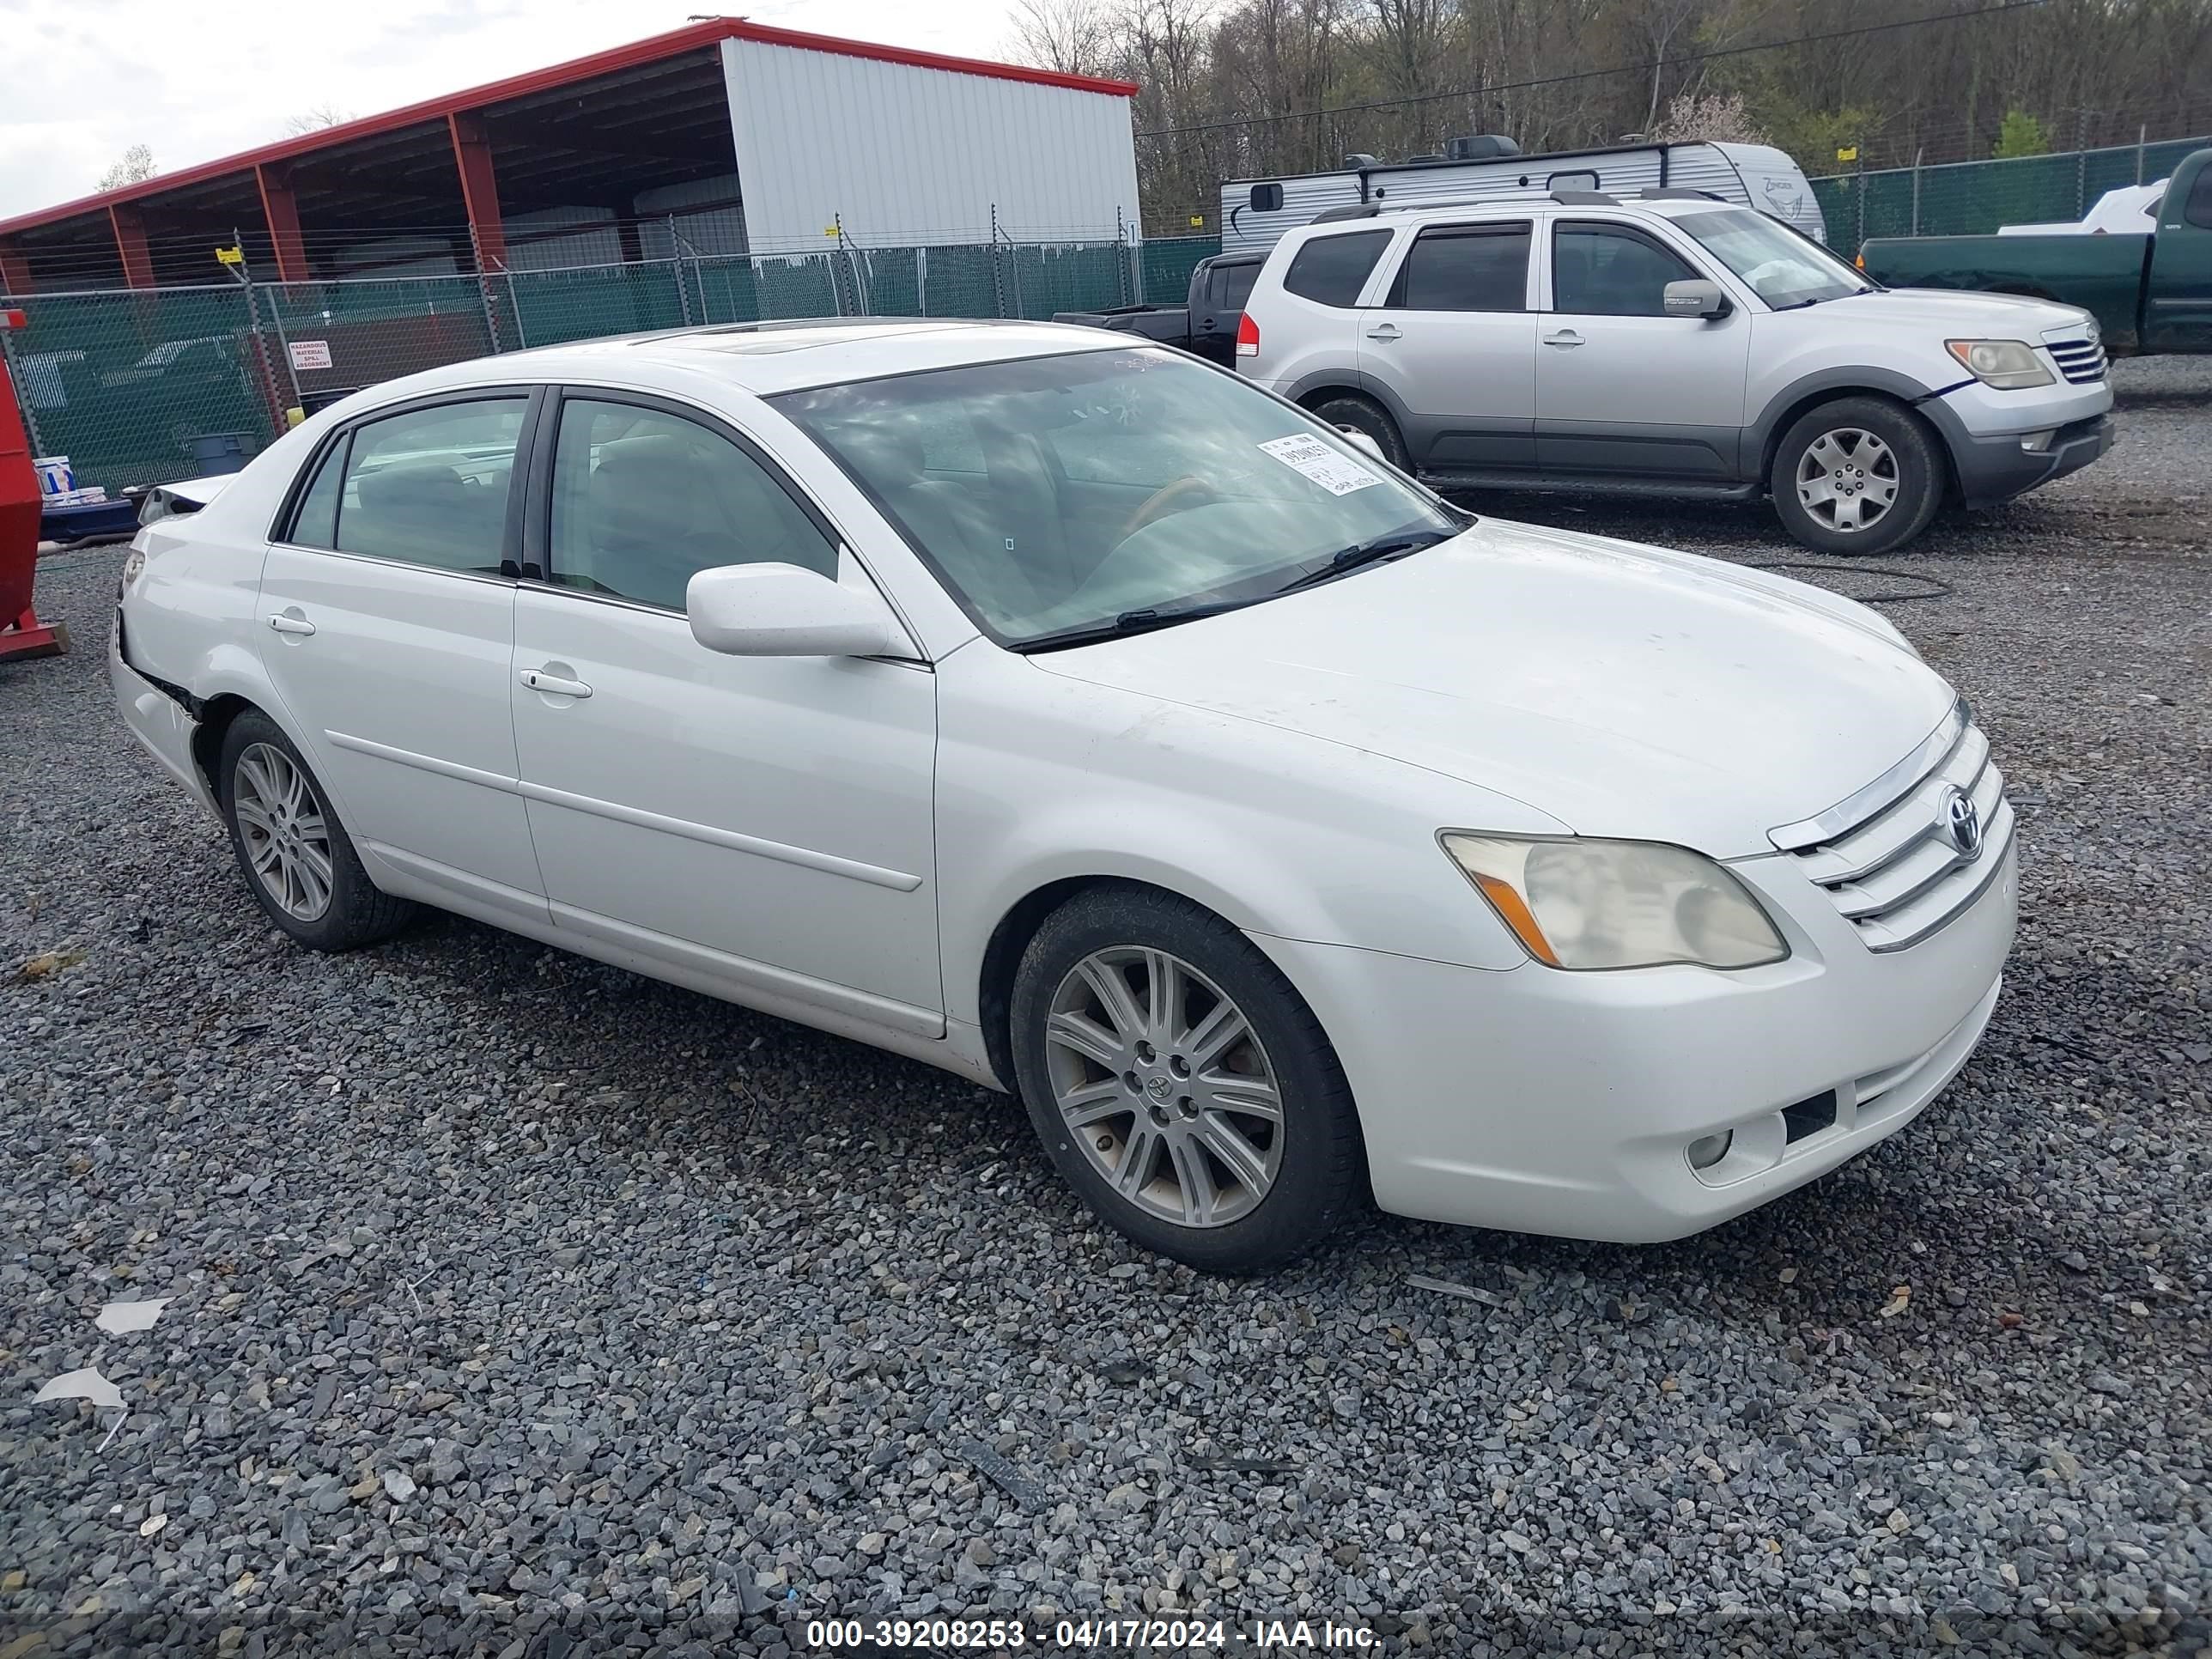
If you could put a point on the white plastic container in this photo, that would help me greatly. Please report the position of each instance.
(55, 477)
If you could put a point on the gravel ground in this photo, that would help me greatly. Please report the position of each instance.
(512, 1292)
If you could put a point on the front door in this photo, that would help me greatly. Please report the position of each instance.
(763, 824)
(2177, 311)
(1456, 339)
(1623, 390)
(387, 623)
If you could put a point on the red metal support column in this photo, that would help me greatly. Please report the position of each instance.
(479, 188)
(14, 269)
(282, 213)
(130, 245)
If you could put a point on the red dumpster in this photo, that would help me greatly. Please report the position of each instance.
(20, 633)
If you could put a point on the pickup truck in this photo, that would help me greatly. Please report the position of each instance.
(2149, 294)
(1205, 324)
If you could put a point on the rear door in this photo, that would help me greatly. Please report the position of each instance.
(1455, 339)
(1622, 389)
(387, 607)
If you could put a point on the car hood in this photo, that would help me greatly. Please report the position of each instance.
(1620, 691)
(1969, 316)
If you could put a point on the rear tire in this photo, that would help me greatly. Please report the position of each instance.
(1857, 475)
(1198, 1108)
(298, 862)
(1349, 410)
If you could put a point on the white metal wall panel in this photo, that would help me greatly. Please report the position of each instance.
(906, 154)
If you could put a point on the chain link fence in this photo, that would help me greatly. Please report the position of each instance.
(134, 385)
(1973, 199)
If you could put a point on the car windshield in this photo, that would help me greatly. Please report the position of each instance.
(1783, 268)
(1056, 495)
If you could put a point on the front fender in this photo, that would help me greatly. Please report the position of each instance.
(1043, 779)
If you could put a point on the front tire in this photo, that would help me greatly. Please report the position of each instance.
(297, 858)
(1857, 475)
(1180, 1084)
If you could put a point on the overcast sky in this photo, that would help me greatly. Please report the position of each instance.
(84, 80)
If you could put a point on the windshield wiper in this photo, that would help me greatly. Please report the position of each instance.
(1132, 622)
(1377, 551)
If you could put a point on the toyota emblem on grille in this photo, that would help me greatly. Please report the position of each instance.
(1962, 820)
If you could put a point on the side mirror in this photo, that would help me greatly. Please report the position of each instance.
(1697, 298)
(781, 610)
(1364, 441)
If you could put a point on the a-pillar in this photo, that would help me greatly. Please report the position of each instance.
(130, 245)
(479, 189)
(14, 269)
(282, 212)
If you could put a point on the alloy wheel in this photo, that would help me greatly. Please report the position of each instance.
(286, 831)
(1847, 479)
(1165, 1085)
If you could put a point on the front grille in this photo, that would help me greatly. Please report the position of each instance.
(1892, 867)
(2080, 361)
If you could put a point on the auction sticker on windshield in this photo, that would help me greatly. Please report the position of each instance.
(1338, 474)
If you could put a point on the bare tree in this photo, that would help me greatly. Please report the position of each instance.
(137, 166)
(315, 120)
(1075, 37)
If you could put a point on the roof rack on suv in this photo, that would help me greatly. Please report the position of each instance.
(1360, 211)
(1585, 198)
(1677, 193)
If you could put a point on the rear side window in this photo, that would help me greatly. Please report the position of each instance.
(430, 487)
(1612, 270)
(1330, 270)
(1465, 268)
(1232, 284)
(316, 522)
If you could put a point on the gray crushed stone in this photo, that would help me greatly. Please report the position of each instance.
(517, 1295)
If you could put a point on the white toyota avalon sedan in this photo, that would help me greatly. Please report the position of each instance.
(1088, 722)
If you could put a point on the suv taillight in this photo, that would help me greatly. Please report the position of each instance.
(1248, 336)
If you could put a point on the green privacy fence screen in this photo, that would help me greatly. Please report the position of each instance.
(1973, 199)
(122, 381)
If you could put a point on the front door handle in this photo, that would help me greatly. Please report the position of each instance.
(553, 685)
(291, 621)
(1388, 332)
(1565, 339)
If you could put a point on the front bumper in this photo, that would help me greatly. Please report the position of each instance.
(1537, 1101)
(1993, 470)
(1988, 433)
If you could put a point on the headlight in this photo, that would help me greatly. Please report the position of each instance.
(2007, 364)
(1582, 904)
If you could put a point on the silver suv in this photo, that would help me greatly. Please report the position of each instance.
(1674, 344)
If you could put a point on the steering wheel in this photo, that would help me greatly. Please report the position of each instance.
(1187, 491)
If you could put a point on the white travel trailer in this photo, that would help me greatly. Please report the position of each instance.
(1255, 212)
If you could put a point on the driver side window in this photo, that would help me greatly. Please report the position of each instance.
(643, 500)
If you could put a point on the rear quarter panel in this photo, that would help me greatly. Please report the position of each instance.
(2103, 274)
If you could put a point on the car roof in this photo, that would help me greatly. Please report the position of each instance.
(768, 357)
(1518, 207)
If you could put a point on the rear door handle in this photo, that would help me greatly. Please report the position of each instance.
(291, 621)
(553, 685)
(1388, 332)
(1564, 337)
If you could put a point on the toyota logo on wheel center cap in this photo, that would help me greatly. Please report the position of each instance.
(1157, 1087)
(1961, 819)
